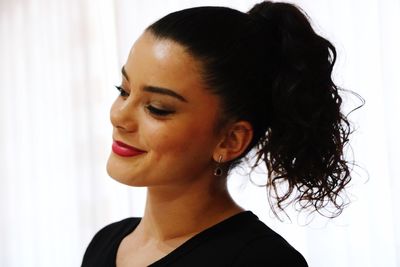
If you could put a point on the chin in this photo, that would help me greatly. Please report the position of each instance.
(118, 172)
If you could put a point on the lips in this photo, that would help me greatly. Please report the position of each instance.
(125, 150)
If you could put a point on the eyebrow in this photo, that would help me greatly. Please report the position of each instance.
(156, 89)
(124, 73)
(164, 91)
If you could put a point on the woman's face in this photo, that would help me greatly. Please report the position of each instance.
(166, 113)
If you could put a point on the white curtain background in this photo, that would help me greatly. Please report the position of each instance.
(59, 61)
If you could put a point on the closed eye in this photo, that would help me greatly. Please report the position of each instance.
(122, 91)
(152, 109)
(158, 112)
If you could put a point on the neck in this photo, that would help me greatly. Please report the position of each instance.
(184, 211)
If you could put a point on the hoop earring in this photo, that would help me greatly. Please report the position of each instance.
(218, 170)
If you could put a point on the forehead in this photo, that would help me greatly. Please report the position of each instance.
(164, 63)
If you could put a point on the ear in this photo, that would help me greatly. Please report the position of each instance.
(234, 142)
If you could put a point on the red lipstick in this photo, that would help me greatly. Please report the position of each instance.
(125, 150)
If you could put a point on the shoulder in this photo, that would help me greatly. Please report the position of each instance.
(271, 251)
(119, 226)
(105, 242)
(264, 247)
(114, 230)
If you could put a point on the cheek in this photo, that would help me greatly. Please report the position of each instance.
(179, 139)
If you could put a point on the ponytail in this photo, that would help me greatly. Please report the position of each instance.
(307, 134)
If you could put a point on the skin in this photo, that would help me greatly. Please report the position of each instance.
(181, 149)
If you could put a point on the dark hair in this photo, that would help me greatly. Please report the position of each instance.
(271, 69)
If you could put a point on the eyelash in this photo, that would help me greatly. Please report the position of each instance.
(158, 112)
(122, 92)
(153, 110)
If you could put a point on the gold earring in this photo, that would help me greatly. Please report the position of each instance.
(218, 170)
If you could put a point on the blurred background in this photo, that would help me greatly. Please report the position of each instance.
(59, 61)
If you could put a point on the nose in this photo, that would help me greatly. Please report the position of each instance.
(122, 115)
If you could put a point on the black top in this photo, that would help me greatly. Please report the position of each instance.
(241, 240)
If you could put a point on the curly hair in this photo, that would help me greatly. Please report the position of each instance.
(270, 68)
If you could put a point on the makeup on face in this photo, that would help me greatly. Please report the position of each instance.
(161, 108)
(125, 150)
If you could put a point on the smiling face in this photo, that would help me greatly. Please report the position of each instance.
(166, 112)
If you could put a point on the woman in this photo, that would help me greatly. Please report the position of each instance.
(201, 88)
